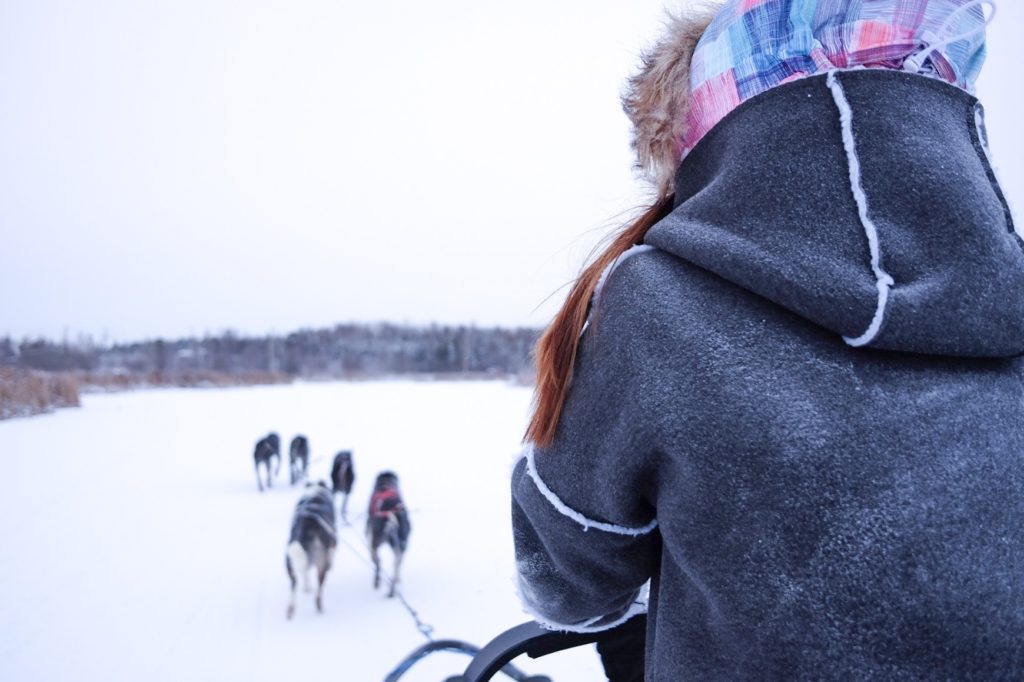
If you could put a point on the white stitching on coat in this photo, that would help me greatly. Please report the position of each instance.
(566, 510)
(883, 281)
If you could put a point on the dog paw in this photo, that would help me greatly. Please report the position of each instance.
(290, 612)
(319, 606)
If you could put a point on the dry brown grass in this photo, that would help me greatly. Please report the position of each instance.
(199, 379)
(24, 393)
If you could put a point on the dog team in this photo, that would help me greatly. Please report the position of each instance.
(314, 531)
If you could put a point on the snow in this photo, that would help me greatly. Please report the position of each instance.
(135, 544)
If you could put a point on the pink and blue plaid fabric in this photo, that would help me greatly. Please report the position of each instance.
(754, 45)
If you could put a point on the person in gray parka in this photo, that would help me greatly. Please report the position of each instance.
(783, 414)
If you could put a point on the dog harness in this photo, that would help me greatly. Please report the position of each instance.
(384, 502)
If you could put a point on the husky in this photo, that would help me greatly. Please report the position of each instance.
(267, 449)
(312, 541)
(342, 476)
(387, 523)
(298, 459)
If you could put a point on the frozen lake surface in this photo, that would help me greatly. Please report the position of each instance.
(136, 546)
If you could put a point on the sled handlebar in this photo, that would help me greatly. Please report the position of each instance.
(530, 639)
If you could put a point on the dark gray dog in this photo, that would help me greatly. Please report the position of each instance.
(298, 459)
(387, 523)
(343, 475)
(267, 448)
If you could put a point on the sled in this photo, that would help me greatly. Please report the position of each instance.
(496, 656)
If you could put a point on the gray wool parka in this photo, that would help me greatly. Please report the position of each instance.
(802, 508)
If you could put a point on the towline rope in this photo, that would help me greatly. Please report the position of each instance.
(423, 628)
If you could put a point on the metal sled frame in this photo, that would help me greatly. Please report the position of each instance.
(529, 638)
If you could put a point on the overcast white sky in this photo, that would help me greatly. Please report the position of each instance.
(189, 166)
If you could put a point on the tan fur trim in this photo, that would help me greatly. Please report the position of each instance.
(656, 100)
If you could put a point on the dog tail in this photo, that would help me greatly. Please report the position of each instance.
(296, 561)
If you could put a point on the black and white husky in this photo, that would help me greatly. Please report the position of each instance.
(387, 523)
(267, 449)
(298, 459)
(312, 542)
(342, 476)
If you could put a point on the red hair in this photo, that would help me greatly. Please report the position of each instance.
(555, 353)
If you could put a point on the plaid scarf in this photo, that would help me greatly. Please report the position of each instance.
(754, 45)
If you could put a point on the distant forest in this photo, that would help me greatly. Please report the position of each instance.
(345, 351)
(39, 375)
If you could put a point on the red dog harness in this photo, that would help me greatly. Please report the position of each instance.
(383, 502)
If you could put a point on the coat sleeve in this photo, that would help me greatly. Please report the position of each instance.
(583, 509)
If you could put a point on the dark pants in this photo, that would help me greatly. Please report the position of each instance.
(622, 651)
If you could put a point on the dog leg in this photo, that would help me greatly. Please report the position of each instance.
(291, 578)
(394, 577)
(376, 566)
(321, 573)
(259, 482)
(344, 507)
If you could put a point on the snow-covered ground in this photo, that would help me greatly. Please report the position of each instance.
(135, 545)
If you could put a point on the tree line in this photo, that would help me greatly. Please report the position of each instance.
(344, 351)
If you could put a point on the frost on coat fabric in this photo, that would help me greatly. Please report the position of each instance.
(821, 510)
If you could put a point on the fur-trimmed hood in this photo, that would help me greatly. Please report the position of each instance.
(656, 99)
